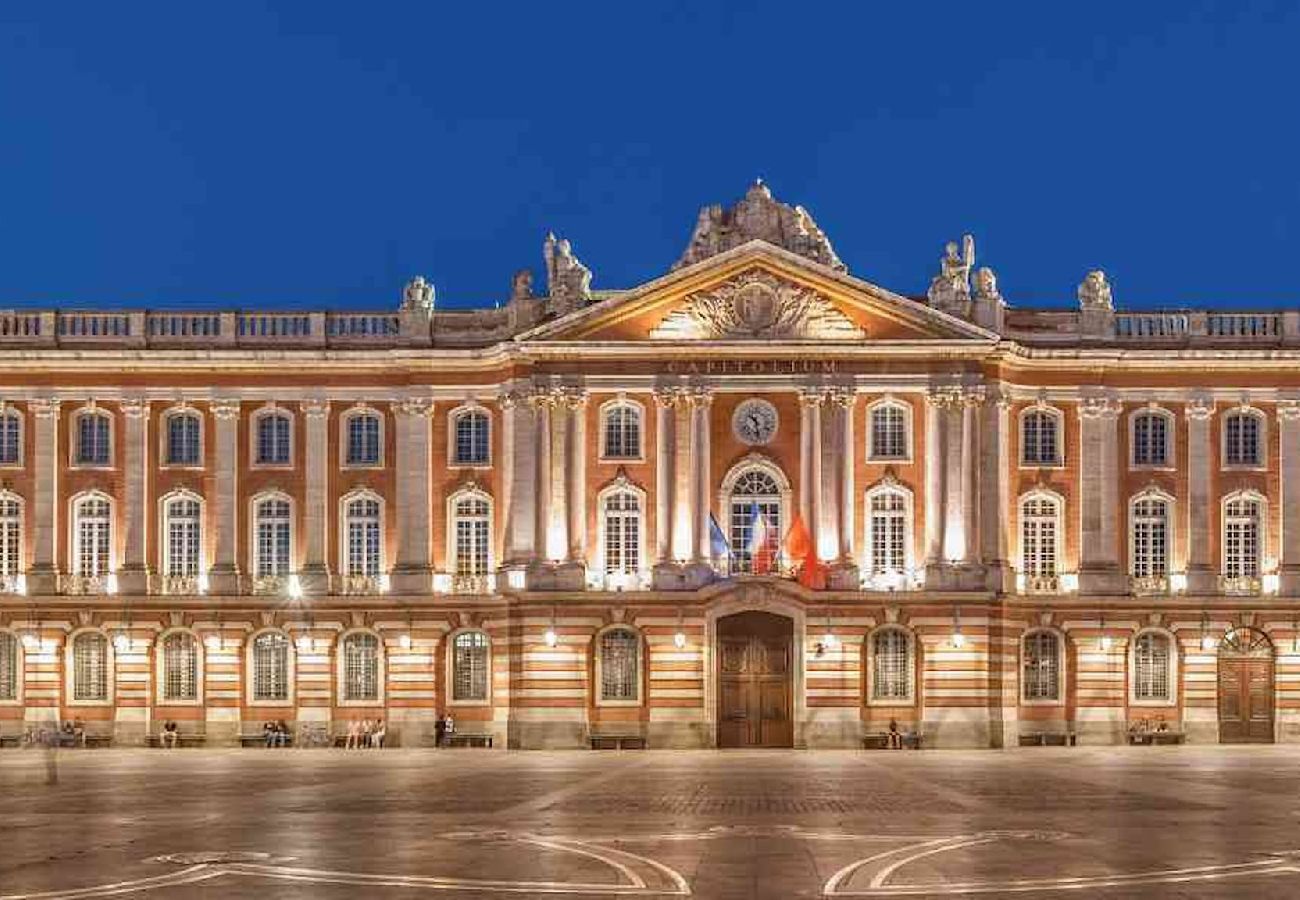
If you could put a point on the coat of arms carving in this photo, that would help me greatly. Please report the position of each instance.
(758, 305)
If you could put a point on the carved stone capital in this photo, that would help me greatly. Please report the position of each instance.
(315, 408)
(508, 400)
(844, 398)
(944, 397)
(811, 397)
(575, 399)
(667, 398)
(225, 410)
(415, 407)
(701, 398)
(44, 408)
(1199, 409)
(973, 396)
(1104, 408)
(134, 407)
(1288, 410)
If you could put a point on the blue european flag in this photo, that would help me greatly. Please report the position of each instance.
(718, 545)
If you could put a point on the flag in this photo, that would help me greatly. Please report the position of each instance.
(762, 541)
(718, 545)
(799, 549)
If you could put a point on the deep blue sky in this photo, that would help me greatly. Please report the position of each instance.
(321, 153)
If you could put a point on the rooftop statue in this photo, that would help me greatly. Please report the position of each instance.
(1094, 292)
(568, 281)
(950, 289)
(758, 217)
(418, 294)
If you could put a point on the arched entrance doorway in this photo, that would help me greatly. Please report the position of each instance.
(1245, 687)
(755, 680)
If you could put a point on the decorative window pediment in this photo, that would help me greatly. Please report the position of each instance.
(758, 305)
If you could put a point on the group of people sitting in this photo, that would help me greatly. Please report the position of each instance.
(68, 733)
(365, 734)
(276, 733)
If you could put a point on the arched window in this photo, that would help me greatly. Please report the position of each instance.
(11, 542)
(1040, 437)
(891, 666)
(1152, 668)
(621, 532)
(1150, 524)
(1152, 438)
(11, 436)
(755, 519)
(620, 666)
(469, 667)
(274, 443)
(471, 432)
(471, 533)
(889, 435)
(1041, 666)
(1243, 535)
(182, 543)
(90, 666)
(180, 664)
(92, 533)
(360, 668)
(363, 437)
(363, 528)
(1243, 442)
(273, 537)
(889, 532)
(94, 438)
(184, 439)
(9, 673)
(270, 675)
(1040, 535)
(621, 431)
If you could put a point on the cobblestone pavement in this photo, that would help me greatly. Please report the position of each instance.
(1186, 822)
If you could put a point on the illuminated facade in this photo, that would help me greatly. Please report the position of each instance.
(1031, 521)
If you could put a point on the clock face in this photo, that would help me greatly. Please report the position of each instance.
(754, 421)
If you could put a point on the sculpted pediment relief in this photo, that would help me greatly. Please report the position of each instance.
(757, 305)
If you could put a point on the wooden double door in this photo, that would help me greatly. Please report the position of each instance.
(755, 675)
(1246, 688)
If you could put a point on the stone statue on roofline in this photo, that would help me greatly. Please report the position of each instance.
(417, 295)
(950, 290)
(521, 285)
(568, 281)
(1095, 293)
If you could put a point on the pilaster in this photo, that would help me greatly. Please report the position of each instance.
(224, 577)
(844, 574)
(936, 406)
(1288, 420)
(701, 410)
(1200, 573)
(665, 460)
(995, 491)
(518, 479)
(413, 573)
(315, 574)
(576, 474)
(1099, 571)
(43, 574)
(133, 577)
(541, 402)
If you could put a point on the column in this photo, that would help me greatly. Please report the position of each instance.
(994, 490)
(702, 404)
(542, 547)
(935, 407)
(970, 454)
(1098, 485)
(518, 479)
(575, 474)
(1201, 573)
(1288, 421)
(811, 447)
(665, 478)
(43, 574)
(954, 531)
(315, 574)
(133, 578)
(684, 501)
(846, 404)
(224, 576)
(413, 573)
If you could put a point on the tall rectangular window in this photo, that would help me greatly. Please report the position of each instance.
(11, 439)
(469, 667)
(888, 432)
(1241, 538)
(888, 532)
(1042, 666)
(622, 533)
(274, 530)
(1241, 444)
(1039, 441)
(273, 439)
(1150, 440)
(1150, 538)
(891, 673)
(363, 440)
(472, 444)
(93, 439)
(183, 439)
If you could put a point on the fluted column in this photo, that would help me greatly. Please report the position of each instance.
(845, 404)
(701, 406)
(1288, 421)
(972, 400)
(994, 490)
(43, 573)
(954, 532)
(133, 577)
(315, 520)
(1098, 486)
(545, 546)
(935, 408)
(518, 479)
(665, 478)
(684, 486)
(223, 505)
(413, 573)
(1201, 573)
(575, 474)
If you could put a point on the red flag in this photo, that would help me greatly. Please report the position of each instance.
(799, 548)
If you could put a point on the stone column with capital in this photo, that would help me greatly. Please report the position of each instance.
(315, 577)
(1099, 570)
(413, 573)
(572, 573)
(665, 465)
(543, 550)
(844, 573)
(1201, 572)
(1288, 420)
(518, 480)
(811, 489)
(936, 407)
(43, 573)
(224, 575)
(972, 402)
(701, 410)
(133, 576)
(995, 489)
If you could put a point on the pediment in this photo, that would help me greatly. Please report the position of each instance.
(757, 292)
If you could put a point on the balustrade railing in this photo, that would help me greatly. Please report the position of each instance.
(1146, 585)
(1042, 584)
(1240, 585)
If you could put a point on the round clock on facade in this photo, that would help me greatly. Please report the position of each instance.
(754, 422)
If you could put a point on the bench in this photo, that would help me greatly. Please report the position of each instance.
(183, 739)
(1148, 738)
(98, 740)
(879, 740)
(258, 739)
(1048, 739)
(617, 740)
(468, 739)
(11, 740)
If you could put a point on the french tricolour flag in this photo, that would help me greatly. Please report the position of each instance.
(763, 541)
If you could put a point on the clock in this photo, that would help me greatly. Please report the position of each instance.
(754, 422)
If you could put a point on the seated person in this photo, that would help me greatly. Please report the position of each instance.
(377, 736)
(170, 735)
(894, 738)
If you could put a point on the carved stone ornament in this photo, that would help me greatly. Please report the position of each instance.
(568, 281)
(758, 217)
(758, 306)
(418, 294)
(1094, 292)
(950, 290)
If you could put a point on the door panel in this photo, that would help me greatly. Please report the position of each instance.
(1245, 700)
(754, 689)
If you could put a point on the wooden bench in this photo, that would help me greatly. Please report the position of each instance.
(183, 739)
(101, 739)
(1048, 739)
(879, 740)
(1148, 738)
(617, 740)
(468, 739)
(258, 739)
(11, 740)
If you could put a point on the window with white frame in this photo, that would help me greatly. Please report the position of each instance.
(620, 665)
(1040, 438)
(1151, 439)
(11, 438)
(183, 530)
(273, 536)
(184, 439)
(92, 529)
(755, 495)
(472, 529)
(891, 665)
(90, 666)
(469, 667)
(360, 667)
(1040, 524)
(363, 526)
(11, 536)
(180, 653)
(1242, 441)
(888, 531)
(364, 439)
(1151, 664)
(8, 666)
(622, 431)
(1041, 666)
(1150, 524)
(1243, 526)
(472, 445)
(622, 533)
(270, 653)
(889, 431)
(274, 444)
(94, 435)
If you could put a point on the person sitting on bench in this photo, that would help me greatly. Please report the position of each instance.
(170, 735)
(894, 738)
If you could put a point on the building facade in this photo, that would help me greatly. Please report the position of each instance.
(541, 518)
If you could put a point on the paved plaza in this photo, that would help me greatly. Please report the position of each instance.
(1115, 822)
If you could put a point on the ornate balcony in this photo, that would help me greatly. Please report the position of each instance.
(270, 584)
(363, 585)
(13, 584)
(1148, 585)
(179, 585)
(473, 584)
(1042, 584)
(89, 584)
(1241, 585)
